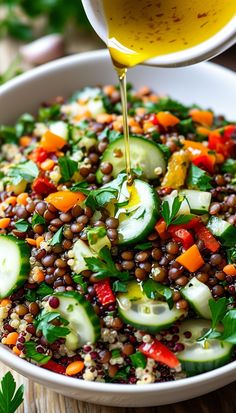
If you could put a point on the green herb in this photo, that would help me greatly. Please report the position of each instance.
(168, 104)
(169, 216)
(229, 166)
(186, 126)
(115, 353)
(26, 170)
(154, 290)
(101, 197)
(104, 267)
(8, 134)
(119, 287)
(165, 151)
(57, 237)
(12, 70)
(30, 295)
(231, 254)
(220, 313)
(81, 187)
(51, 113)
(144, 246)
(44, 290)
(25, 125)
(38, 220)
(67, 167)
(50, 331)
(10, 398)
(22, 225)
(96, 233)
(198, 179)
(111, 135)
(122, 374)
(138, 360)
(33, 354)
(78, 279)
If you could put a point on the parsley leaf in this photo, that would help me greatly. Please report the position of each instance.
(104, 267)
(57, 237)
(37, 220)
(153, 290)
(78, 279)
(25, 170)
(44, 290)
(229, 166)
(25, 125)
(218, 311)
(138, 360)
(198, 179)
(49, 113)
(22, 225)
(67, 167)
(10, 399)
(229, 323)
(119, 287)
(33, 354)
(81, 187)
(50, 331)
(170, 215)
(100, 197)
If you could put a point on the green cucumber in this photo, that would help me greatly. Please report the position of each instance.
(201, 356)
(145, 314)
(138, 217)
(84, 324)
(14, 264)
(60, 128)
(145, 154)
(222, 230)
(199, 201)
(198, 295)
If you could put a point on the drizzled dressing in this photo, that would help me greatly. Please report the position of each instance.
(141, 29)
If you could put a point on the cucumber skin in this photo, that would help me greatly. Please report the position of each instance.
(193, 368)
(228, 237)
(150, 226)
(25, 251)
(99, 174)
(95, 321)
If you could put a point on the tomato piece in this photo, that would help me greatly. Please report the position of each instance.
(204, 162)
(43, 186)
(182, 235)
(206, 236)
(104, 292)
(53, 366)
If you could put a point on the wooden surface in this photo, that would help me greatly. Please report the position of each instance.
(41, 400)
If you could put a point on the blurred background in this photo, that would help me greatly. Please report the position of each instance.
(59, 28)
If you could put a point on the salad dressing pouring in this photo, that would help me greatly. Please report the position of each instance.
(139, 30)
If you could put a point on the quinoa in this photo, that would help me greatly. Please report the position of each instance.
(52, 264)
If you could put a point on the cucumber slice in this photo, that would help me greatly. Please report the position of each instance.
(145, 314)
(60, 128)
(199, 201)
(201, 356)
(198, 296)
(83, 322)
(145, 154)
(80, 251)
(138, 217)
(222, 230)
(14, 264)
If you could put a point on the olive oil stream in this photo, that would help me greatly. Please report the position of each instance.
(139, 30)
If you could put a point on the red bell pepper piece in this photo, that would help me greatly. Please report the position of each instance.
(157, 351)
(221, 141)
(160, 227)
(53, 366)
(206, 236)
(204, 162)
(153, 119)
(38, 155)
(182, 235)
(43, 186)
(104, 292)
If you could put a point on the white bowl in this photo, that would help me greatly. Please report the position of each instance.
(206, 84)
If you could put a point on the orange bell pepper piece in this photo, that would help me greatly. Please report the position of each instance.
(204, 117)
(65, 200)
(191, 259)
(51, 142)
(166, 119)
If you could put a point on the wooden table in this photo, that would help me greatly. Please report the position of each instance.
(42, 400)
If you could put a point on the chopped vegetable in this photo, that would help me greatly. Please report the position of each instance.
(51, 142)
(43, 186)
(157, 351)
(204, 117)
(206, 236)
(191, 259)
(65, 200)
(104, 292)
(176, 170)
(166, 119)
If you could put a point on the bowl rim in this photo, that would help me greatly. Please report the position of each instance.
(38, 373)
